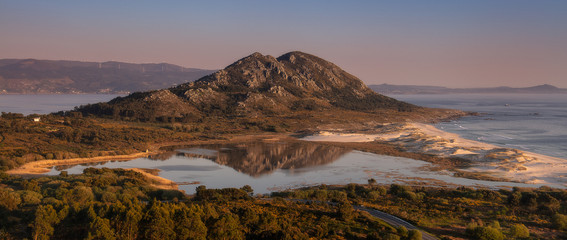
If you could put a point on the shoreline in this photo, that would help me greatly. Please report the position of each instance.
(420, 141)
(487, 161)
(41, 166)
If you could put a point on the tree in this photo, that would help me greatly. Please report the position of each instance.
(248, 189)
(267, 227)
(99, 228)
(371, 181)
(391, 236)
(414, 235)
(487, 233)
(519, 231)
(402, 231)
(45, 218)
(345, 211)
(157, 222)
(9, 199)
(188, 225)
(226, 227)
(559, 221)
(125, 219)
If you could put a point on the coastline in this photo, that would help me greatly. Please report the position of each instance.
(420, 141)
(486, 160)
(41, 166)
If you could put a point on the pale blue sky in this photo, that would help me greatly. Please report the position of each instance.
(450, 43)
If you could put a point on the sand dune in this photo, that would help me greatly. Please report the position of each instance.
(508, 163)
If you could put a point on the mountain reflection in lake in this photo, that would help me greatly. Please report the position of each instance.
(275, 166)
(259, 158)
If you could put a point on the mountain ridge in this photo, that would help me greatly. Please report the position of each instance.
(33, 76)
(422, 89)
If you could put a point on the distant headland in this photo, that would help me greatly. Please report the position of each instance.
(419, 89)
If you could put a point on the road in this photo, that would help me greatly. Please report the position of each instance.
(390, 219)
(394, 221)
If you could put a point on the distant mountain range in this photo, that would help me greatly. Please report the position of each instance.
(252, 86)
(31, 76)
(416, 89)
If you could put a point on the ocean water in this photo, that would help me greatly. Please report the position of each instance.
(48, 103)
(530, 122)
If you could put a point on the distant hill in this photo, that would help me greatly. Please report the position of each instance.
(31, 76)
(252, 86)
(416, 89)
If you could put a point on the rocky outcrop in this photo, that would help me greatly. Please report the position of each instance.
(259, 84)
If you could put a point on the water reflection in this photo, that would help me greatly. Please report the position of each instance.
(259, 158)
(275, 166)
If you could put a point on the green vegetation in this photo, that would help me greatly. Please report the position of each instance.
(54, 137)
(118, 204)
(461, 212)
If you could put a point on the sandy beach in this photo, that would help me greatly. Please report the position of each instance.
(507, 163)
(41, 166)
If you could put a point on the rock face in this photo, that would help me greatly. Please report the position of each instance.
(257, 84)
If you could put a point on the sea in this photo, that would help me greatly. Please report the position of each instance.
(529, 122)
(48, 103)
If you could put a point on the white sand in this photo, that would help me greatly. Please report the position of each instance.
(508, 163)
(340, 137)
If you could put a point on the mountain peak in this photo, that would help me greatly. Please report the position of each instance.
(262, 84)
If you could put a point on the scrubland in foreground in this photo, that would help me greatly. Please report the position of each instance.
(119, 204)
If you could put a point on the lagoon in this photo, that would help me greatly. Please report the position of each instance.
(275, 166)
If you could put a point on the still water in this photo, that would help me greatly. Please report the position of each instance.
(275, 166)
(48, 103)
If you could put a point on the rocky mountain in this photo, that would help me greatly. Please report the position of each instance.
(416, 89)
(252, 86)
(31, 76)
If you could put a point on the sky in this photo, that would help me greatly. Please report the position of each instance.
(452, 43)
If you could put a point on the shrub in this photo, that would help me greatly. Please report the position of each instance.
(402, 231)
(487, 233)
(519, 231)
(414, 235)
(559, 221)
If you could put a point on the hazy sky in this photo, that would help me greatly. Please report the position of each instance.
(451, 43)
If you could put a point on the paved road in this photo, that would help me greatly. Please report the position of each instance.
(394, 221)
(390, 219)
